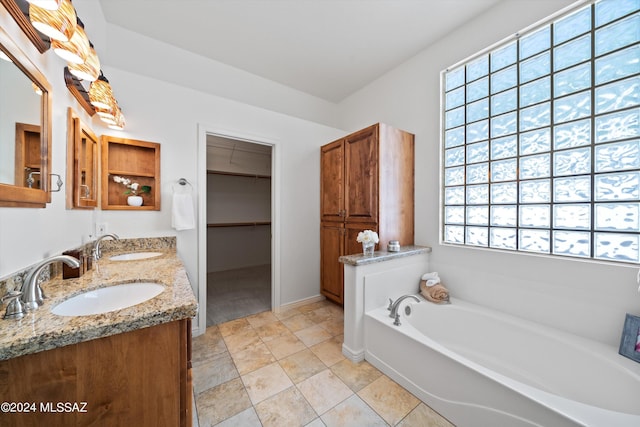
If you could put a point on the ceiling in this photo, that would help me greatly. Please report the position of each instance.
(326, 48)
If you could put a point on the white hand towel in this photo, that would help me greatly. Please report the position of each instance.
(431, 278)
(182, 215)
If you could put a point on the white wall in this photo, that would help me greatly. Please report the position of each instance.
(170, 114)
(587, 298)
(232, 199)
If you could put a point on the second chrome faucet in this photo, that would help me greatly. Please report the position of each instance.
(393, 307)
(97, 252)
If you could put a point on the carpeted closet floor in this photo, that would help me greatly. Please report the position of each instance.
(232, 294)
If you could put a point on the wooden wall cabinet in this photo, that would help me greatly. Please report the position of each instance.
(136, 160)
(137, 378)
(367, 182)
(83, 154)
(28, 155)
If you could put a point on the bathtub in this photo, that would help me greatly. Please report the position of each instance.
(479, 367)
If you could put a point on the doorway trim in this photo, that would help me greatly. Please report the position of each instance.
(214, 130)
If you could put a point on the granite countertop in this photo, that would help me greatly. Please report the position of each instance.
(381, 256)
(42, 330)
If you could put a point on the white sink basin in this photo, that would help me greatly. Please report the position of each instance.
(131, 256)
(108, 299)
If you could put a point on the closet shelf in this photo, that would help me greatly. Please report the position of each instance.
(130, 173)
(238, 224)
(246, 175)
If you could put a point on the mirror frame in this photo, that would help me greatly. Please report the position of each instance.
(18, 9)
(76, 130)
(13, 195)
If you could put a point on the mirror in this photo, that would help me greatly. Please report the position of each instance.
(25, 129)
(82, 153)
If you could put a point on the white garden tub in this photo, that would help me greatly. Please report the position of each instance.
(478, 367)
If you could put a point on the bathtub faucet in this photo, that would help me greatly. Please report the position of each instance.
(393, 307)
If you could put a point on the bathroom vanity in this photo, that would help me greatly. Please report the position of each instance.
(125, 367)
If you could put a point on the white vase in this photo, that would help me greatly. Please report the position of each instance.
(134, 200)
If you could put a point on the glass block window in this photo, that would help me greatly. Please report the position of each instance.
(541, 139)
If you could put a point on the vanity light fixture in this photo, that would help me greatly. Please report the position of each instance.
(58, 24)
(47, 4)
(101, 94)
(90, 70)
(76, 50)
(106, 116)
(120, 122)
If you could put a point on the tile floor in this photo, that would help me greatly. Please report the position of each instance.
(287, 369)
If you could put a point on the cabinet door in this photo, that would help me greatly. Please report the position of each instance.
(331, 270)
(361, 176)
(332, 181)
(351, 244)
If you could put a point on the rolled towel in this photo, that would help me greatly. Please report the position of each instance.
(436, 293)
(431, 278)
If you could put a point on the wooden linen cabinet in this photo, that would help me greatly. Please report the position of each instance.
(367, 182)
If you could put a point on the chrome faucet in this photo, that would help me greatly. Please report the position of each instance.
(97, 252)
(32, 295)
(393, 307)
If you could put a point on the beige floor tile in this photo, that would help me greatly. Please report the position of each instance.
(324, 391)
(233, 327)
(285, 314)
(336, 311)
(246, 418)
(388, 399)
(252, 358)
(285, 345)
(302, 365)
(312, 335)
(297, 322)
(272, 330)
(352, 412)
(316, 423)
(320, 315)
(261, 319)
(329, 351)
(266, 382)
(424, 416)
(206, 346)
(241, 340)
(222, 402)
(356, 375)
(313, 306)
(333, 326)
(214, 372)
(287, 408)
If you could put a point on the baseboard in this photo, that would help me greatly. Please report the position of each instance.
(354, 356)
(299, 303)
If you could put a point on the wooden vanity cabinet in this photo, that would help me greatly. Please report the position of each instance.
(367, 182)
(137, 378)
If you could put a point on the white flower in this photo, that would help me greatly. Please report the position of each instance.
(368, 236)
(133, 188)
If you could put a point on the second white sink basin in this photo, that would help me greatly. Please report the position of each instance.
(108, 299)
(131, 256)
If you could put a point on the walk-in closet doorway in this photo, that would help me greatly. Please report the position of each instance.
(237, 273)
